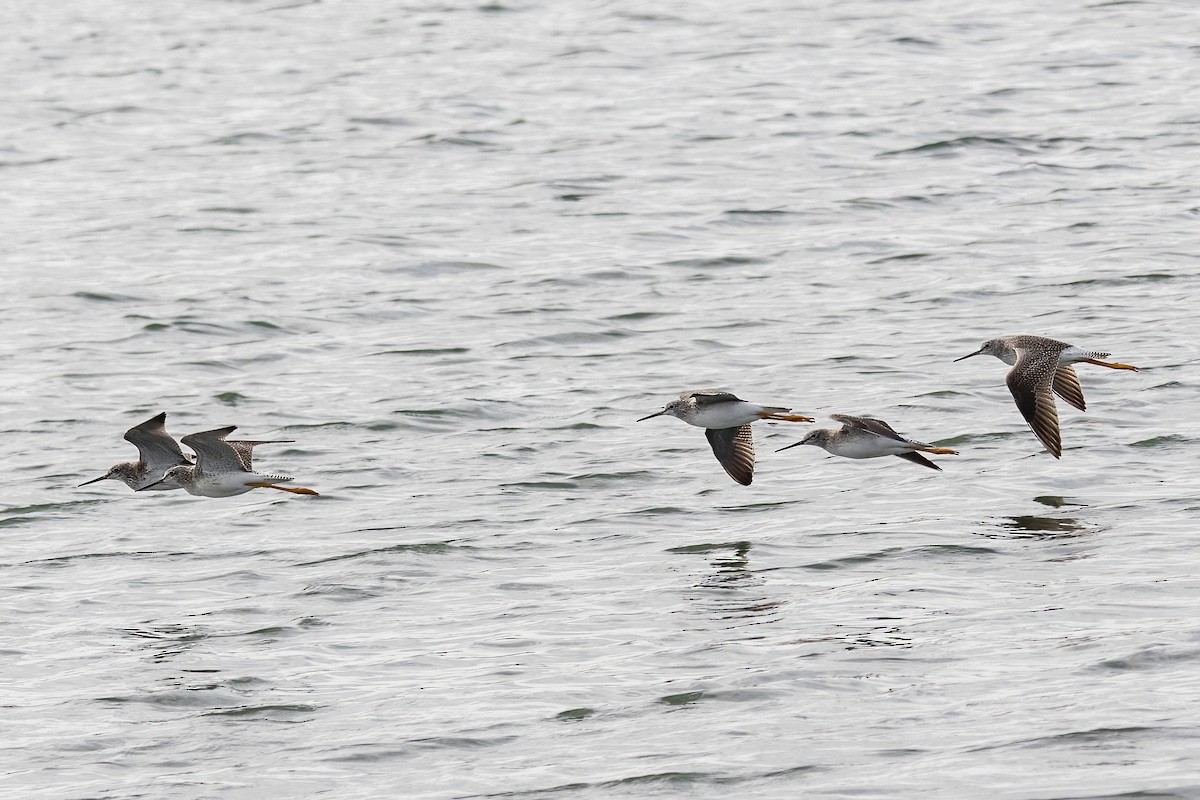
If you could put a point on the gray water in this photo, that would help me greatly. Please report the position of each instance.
(453, 251)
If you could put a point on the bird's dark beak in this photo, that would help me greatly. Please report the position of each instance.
(968, 355)
(652, 416)
(148, 485)
(790, 446)
(93, 480)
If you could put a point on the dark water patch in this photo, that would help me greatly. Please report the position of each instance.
(121, 554)
(245, 138)
(1044, 526)
(435, 269)
(868, 204)
(340, 592)
(741, 546)
(228, 210)
(230, 398)
(952, 147)
(751, 508)
(1153, 657)
(372, 753)
(941, 551)
(316, 425)
(717, 262)
(1094, 738)
(437, 140)
(574, 714)
(637, 316)
(977, 438)
(266, 711)
(758, 212)
(1159, 441)
(1054, 501)
(462, 742)
(383, 240)
(33, 162)
(682, 699)
(386, 122)
(540, 485)
(191, 699)
(424, 351)
(39, 507)
(567, 338)
(210, 229)
(98, 297)
(1188, 792)
(601, 478)
(901, 257)
(946, 393)
(417, 548)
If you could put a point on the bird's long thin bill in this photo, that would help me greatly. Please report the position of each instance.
(652, 416)
(789, 447)
(93, 480)
(148, 485)
(968, 355)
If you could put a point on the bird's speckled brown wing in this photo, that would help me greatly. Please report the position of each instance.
(1066, 386)
(869, 424)
(1030, 382)
(706, 397)
(734, 448)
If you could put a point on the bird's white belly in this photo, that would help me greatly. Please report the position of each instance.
(868, 447)
(224, 484)
(725, 415)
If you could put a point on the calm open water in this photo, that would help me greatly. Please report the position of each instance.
(454, 251)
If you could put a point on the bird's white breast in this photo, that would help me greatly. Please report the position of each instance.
(725, 415)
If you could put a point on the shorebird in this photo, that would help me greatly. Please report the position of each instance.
(867, 437)
(222, 469)
(157, 453)
(726, 419)
(1041, 369)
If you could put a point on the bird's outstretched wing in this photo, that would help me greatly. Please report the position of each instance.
(734, 448)
(869, 424)
(706, 397)
(157, 450)
(1030, 382)
(1066, 386)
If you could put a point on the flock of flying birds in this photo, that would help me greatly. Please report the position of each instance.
(1041, 368)
(220, 468)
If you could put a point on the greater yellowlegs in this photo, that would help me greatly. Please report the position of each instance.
(157, 453)
(867, 437)
(222, 469)
(1041, 369)
(726, 419)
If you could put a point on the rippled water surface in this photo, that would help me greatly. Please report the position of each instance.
(453, 251)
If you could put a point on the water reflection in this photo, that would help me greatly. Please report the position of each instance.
(730, 574)
(1031, 525)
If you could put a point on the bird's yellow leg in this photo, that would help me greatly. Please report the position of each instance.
(944, 451)
(1110, 364)
(785, 417)
(292, 489)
